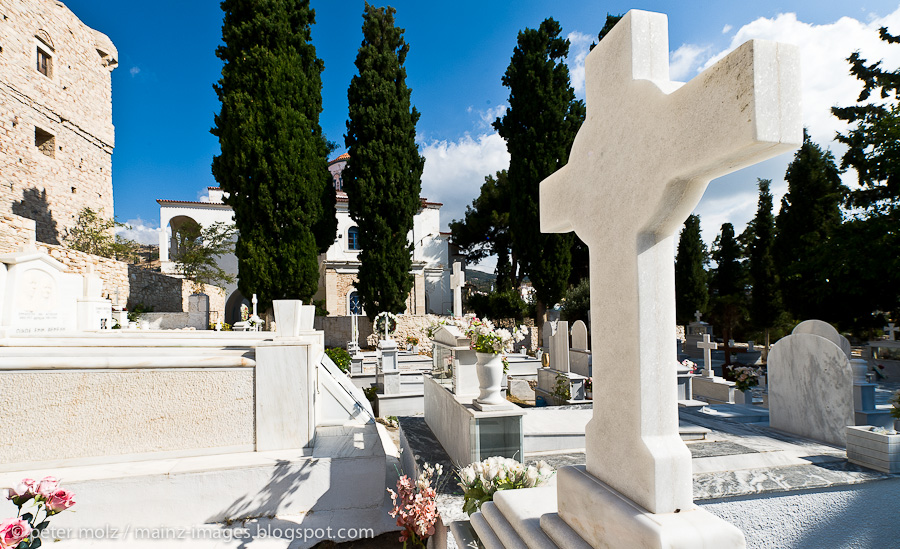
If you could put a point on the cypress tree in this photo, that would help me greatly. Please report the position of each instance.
(383, 175)
(727, 285)
(765, 301)
(273, 153)
(691, 292)
(539, 127)
(810, 214)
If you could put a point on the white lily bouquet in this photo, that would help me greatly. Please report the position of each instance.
(481, 480)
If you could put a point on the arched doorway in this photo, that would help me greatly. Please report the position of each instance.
(233, 307)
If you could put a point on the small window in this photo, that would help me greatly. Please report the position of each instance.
(45, 142)
(44, 63)
(353, 238)
(355, 305)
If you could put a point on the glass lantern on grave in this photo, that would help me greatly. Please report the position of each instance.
(453, 361)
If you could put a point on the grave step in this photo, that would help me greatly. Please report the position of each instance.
(561, 533)
(523, 510)
(486, 535)
(500, 526)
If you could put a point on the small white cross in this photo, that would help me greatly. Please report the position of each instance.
(697, 315)
(457, 281)
(890, 330)
(708, 347)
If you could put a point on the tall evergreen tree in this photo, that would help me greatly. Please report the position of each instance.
(865, 250)
(765, 300)
(691, 292)
(539, 127)
(810, 214)
(383, 175)
(485, 229)
(727, 284)
(273, 153)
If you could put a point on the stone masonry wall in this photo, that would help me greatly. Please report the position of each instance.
(56, 132)
(135, 285)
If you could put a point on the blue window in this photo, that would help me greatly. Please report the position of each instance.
(355, 305)
(353, 238)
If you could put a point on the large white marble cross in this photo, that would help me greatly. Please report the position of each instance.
(457, 281)
(890, 330)
(708, 347)
(638, 167)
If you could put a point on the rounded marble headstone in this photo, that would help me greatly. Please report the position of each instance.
(826, 330)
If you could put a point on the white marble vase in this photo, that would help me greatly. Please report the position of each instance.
(489, 367)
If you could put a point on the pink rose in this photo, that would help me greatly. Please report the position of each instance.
(22, 492)
(47, 486)
(13, 531)
(60, 500)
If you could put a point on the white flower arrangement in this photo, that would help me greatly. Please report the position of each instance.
(481, 480)
(484, 337)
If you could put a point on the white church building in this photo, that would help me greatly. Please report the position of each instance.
(339, 265)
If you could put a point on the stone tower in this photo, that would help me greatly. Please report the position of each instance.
(56, 131)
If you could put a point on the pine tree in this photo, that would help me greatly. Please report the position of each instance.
(485, 229)
(383, 175)
(539, 127)
(866, 266)
(691, 293)
(273, 153)
(810, 214)
(765, 300)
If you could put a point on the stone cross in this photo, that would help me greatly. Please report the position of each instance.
(457, 281)
(708, 347)
(890, 330)
(254, 301)
(697, 315)
(638, 167)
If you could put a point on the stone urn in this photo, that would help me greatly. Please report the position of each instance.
(489, 367)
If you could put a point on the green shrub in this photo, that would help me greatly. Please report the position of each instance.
(577, 302)
(340, 357)
(506, 304)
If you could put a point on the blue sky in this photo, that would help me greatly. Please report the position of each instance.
(163, 100)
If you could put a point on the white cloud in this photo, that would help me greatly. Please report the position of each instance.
(203, 196)
(824, 49)
(134, 71)
(684, 61)
(579, 47)
(726, 29)
(455, 170)
(140, 231)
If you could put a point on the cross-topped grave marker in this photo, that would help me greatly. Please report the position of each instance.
(708, 347)
(457, 281)
(638, 167)
(890, 330)
(697, 315)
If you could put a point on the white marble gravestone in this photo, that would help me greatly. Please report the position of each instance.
(457, 282)
(39, 297)
(580, 354)
(93, 310)
(826, 330)
(638, 167)
(811, 384)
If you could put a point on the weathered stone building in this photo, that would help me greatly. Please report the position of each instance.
(56, 130)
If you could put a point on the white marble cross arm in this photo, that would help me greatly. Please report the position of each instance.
(670, 139)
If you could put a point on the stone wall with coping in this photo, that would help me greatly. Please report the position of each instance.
(56, 131)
